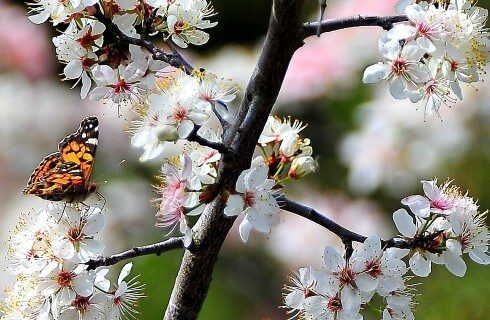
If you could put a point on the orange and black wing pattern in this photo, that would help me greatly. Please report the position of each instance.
(64, 175)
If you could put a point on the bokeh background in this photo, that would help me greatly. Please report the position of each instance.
(373, 150)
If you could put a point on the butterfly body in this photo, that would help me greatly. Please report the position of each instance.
(64, 175)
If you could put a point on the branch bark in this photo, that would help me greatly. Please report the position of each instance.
(283, 39)
(156, 248)
(315, 28)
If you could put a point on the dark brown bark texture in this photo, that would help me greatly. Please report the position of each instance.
(283, 38)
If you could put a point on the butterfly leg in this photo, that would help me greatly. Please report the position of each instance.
(99, 195)
(62, 213)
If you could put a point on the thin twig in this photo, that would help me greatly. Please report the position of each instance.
(315, 216)
(174, 59)
(156, 248)
(219, 146)
(347, 236)
(312, 28)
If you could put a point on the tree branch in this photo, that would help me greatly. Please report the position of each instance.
(315, 216)
(283, 39)
(347, 236)
(174, 59)
(220, 147)
(156, 248)
(314, 28)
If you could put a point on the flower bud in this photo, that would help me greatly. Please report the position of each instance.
(302, 166)
(167, 133)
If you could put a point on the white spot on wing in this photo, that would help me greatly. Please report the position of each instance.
(92, 141)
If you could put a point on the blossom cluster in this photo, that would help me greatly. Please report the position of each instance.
(90, 48)
(183, 190)
(49, 255)
(288, 155)
(447, 224)
(180, 104)
(443, 44)
(285, 156)
(344, 286)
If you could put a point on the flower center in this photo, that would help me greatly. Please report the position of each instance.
(399, 66)
(88, 39)
(308, 293)
(64, 278)
(454, 65)
(346, 276)
(180, 26)
(121, 86)
(334, 304)
(249, 198)
(424, 29)
(81, 304)
(180, 114)
(373, 268)
(75, 234)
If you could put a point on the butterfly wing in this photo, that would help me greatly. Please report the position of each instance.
(44, 169)
(79, 147)
(65, 173)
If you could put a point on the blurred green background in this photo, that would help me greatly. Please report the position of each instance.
(248, 279)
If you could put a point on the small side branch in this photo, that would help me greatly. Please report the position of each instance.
(315, 28)
(219, 146)
(174, 59)
(315, 216)
(156, 248)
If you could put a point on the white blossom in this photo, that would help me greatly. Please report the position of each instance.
(255, 199)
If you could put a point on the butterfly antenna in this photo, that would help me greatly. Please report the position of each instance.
(110, 170)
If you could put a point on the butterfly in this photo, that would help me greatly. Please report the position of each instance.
(64, 175)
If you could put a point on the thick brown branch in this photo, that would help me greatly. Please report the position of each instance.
(313, 28)
(282, 40)
(156, 248)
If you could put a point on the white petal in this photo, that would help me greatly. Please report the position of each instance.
(94, 224)
(454, 263)
(398, 88)
(332, 259)
(418, 204)
(419, 265)
(375, 73)
(365, 282)
(73, 69)
(244, 229)
(124, 272)
(479, 256)
(401, 31)
(234, 205)
(404, 223)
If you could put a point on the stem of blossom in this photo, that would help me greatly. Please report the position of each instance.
(220, 147)
(156, 248)
(147, 24)
(173, 59)
(312, 28)
(224, 123)
(323, 6)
